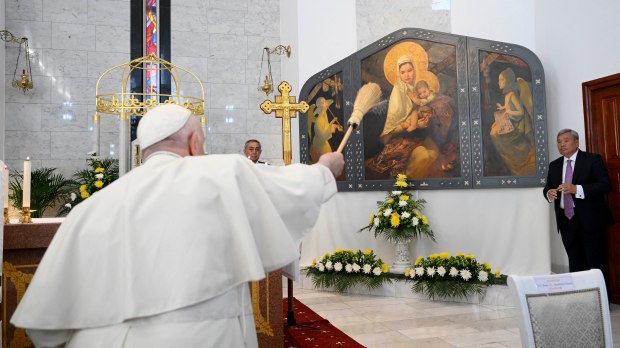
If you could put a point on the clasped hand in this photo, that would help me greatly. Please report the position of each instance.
(562, 188)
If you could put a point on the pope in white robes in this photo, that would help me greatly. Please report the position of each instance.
(162, 256)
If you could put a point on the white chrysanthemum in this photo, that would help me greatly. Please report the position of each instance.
(68, 205)
(376, 221)
(419, 271)
(73, 196)
(483, 276)
(465, 274)
(453, 272)
(317, 265)
(430, 271)
(367, 269)
(405, 215)
(415, 221)
(376, 271)
(356, 268)
(397, 193)
(402, 203)
(321, 267)
(387, 212)
(99, 176)
(338, 267)
(441, 271)
(329, 265)
(348, 268)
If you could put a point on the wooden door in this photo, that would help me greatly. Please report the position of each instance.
(601, 105)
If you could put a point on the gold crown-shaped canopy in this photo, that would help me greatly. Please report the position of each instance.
(126, 103)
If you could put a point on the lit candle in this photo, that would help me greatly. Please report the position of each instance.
(26, 184)
(6, 186)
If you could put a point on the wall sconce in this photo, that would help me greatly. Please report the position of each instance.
(267, 86)
(25, 81)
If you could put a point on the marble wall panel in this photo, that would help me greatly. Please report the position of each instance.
(261, 123)
(257, 70)
(22, 117)
(256, 45)
(264, 6)
(226, 143)
(191, 3)
(272, 147)
(28, 10)
(188, 44)
(39, 94)
(262, 23)
(228, 46)
(228, 96)
(108, 12)
(192, 19)
(10, 62)
(22, 144)
(99, 62)
(227, 71)
(65, 63)
(39, 34)
(80, 90)
(66, 167)
(65, 118)
(225, 21)
(403, 14)
(66, 11)
(198, 66)
(109, 145)
(112, 38)
(69, 36)
(229, 4)
(70, 145)
(227, 121)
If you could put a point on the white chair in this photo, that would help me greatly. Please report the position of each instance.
(563, 310)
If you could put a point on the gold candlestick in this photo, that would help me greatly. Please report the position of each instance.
(6, 216)
(25, 216)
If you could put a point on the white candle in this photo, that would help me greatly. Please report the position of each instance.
(26, 184)
(6, 186)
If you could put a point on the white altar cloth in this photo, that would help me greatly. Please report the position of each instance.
(508, 228)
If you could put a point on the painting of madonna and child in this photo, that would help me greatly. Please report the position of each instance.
(414, 129)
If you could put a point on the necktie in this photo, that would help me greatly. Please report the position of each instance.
(569, 211)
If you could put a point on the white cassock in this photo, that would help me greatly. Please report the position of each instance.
(162, 256)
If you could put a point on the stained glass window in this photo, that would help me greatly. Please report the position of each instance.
(151, 45)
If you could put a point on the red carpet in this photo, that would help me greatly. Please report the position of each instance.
(315, 332)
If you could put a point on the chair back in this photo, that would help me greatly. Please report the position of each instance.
(563, 310)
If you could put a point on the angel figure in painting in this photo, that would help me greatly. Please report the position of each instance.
(511, 133)
(323, 128)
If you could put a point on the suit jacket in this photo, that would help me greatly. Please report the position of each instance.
(591, 174)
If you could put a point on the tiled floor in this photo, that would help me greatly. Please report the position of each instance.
(392, 322)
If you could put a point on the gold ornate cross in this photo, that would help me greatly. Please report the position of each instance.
(283, 106)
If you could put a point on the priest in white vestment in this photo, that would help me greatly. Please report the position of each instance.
(162, 256)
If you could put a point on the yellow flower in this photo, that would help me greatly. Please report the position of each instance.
(84, 194)
(313, 262)
(394, 220)
(368, 252)
(83, 188)
(401, 184)
(418, 260)
(99, 170)
(444, 255)
(337, 251)
(486, 265)
(404, 198)
(407, 272)
(470, 256)
(389, 201)
(459, 254)
(326, 256)
(401, 177)
(425, 219)
(372, 219)
(99, 184)
(385, 268)
(433, 256)
(498, 274)
(348, 250)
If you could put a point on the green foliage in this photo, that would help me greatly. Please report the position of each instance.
(47, 188)
(345, 268)
(399, 218)
(85, 182)
(444, 276)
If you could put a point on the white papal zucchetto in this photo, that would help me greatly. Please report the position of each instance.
(161, 122)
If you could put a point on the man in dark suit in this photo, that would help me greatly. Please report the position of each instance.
(252, 150)
(578, 184)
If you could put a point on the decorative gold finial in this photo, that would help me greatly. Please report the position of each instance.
(25, 218)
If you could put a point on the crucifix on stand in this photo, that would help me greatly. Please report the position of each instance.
(286, 107)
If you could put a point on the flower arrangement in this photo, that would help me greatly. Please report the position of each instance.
(101, 172)
(442, 275)
(399, 218)
(345, 268)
